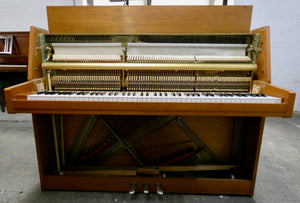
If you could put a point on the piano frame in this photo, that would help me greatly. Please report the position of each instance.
(244, 120)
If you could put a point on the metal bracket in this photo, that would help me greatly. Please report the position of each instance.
(136, 134)
(125, 144)
(255, 50)
(196, 139)
(82, 137)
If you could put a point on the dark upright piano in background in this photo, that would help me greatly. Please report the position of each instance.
(13, 60)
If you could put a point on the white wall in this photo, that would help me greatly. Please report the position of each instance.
(284, 20)
(190, 2)
(158, 2)
(19, 15)
(282, 16)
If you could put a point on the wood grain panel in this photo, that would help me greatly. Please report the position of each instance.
(34, 58)
(149, 19)
(44, 144)
(287, 95)
(169, 185)
(215, 132)
(264, 55)
(10, 92)
(148, 108)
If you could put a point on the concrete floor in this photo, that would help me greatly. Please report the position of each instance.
(278, 177)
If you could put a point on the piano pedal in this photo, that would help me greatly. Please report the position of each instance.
(158, 189)
(132, 189)
(145, 188)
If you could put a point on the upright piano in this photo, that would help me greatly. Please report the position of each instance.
(160, 99)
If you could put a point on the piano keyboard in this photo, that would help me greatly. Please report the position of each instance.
(180, 97)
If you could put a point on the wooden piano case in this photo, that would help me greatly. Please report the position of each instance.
(175, 148)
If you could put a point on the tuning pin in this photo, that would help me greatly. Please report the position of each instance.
(132, 188)
(158, 189)
(145, 188)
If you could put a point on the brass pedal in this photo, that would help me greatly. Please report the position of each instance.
(145, 188)
(132, 189)
(159, 191)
